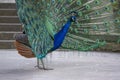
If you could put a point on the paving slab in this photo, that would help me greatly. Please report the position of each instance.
(68, 65)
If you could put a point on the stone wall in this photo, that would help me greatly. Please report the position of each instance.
(9, 25)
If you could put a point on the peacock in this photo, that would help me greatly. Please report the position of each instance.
(68, 24)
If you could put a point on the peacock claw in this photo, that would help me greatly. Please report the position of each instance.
(43, 68)
(48, 68)
(38, 67)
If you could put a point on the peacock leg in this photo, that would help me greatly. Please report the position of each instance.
(44, 65)
(38, 64)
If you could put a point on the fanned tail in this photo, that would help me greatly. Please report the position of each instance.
(95, 19)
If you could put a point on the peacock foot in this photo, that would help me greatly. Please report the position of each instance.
(43, 68)
(42, 65)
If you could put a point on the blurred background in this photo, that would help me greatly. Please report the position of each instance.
(9, 23)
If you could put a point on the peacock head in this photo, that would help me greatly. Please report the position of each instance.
(74, 13)
(73, 16)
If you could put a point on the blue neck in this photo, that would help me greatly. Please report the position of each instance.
(60, 36)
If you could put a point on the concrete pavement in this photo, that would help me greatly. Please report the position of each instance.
(7, 1)
(67, 66)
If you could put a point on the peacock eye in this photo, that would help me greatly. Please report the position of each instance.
(119, 12)
(78, 2)
(51, 14)
(87, 7)
(106, 23)
(97, 13)
(70, 0)
(48, 5)
(53, 1)
(95, 27)
(107, 8)
(65, 18)
(87, 17)
(63, 9)
(60, 1)
(78, 25)
(56, 10)
(97, 2)
(80, 13)
(112, 1)
(117, 20)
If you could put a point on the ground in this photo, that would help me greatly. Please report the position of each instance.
(67, 66)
